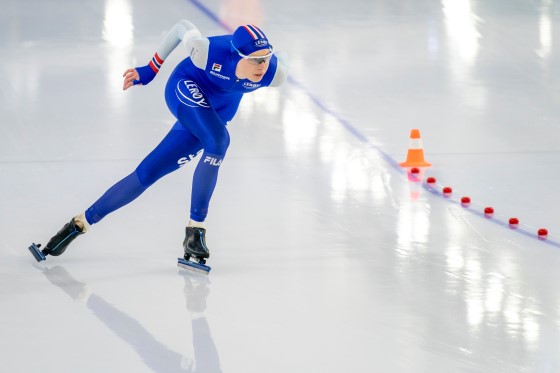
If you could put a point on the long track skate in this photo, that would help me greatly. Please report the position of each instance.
(37, 252)
(196, 251)
(58, 243)
(193, 264)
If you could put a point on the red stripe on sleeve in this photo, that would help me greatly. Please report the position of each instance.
(154, 68)
(158, 59)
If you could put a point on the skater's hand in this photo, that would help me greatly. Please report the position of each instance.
(140, 75)
(130, 76)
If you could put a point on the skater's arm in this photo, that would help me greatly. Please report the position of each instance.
(183, 31)
(197, 49)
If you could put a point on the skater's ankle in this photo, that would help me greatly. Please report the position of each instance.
(196, 224)
(82, 223)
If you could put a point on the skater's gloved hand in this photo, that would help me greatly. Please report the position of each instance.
(140, 75)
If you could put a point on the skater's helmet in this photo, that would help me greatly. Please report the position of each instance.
(248, 39)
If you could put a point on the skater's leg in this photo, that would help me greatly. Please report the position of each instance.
(177, 148)
(120, 194)
(213, 134)
(207, 126)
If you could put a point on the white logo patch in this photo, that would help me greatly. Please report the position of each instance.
(212, 161)
(184, 160)
(251, 85)
(261, 43)
(190, 94)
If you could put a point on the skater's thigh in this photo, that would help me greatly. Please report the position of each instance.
(176, 149)
(191, 107)
(206, 125)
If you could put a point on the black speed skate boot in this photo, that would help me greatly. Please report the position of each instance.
(59, 242)
(195, 243)
(195, 248)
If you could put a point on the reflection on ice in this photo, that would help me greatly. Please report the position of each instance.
(155, 354)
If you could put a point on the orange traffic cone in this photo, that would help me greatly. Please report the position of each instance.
(415, 156)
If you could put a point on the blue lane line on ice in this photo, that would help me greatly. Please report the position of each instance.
(350, 128)
(362, 138)
(526, 232)
(210, 15)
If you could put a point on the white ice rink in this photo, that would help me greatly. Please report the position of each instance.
(325, 257)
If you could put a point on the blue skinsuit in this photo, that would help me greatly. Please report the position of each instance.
(203, 101)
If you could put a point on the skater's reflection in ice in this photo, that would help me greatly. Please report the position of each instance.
(196, 291)
(153, 353)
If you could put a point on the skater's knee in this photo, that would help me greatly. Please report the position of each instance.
(218, 144)
(221, 145)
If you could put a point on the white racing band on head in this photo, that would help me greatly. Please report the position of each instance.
(268, 56)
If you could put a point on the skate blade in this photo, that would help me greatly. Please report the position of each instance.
(193, 266)
(36, 252)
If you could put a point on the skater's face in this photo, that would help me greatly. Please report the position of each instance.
(254, 66)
